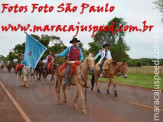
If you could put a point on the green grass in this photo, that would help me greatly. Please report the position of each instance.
(142, 80)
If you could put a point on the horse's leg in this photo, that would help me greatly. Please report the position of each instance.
(27, 80)
(20, 77)
(115, 89)
(52, 78)
(58, 85)
(21, 80)
(96, 80)
(110, 81)
(79, 88)
(75, 100)
(45, 78)
(64, 93)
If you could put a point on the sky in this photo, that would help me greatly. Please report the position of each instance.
(134, 13)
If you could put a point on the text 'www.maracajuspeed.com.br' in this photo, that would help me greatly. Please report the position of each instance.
(76, 28)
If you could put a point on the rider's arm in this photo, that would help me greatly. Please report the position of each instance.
(64, 53)
(81, 55)
(97, 55)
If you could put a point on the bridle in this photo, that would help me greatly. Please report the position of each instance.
(81, 69)
(123, 69)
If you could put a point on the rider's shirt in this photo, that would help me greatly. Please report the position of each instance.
(104, 55)
(49, 58)
(73, 53)
(2, 62)
(44, 61)
(8, 62)
(15, 60)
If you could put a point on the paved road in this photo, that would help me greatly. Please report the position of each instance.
(39, 103)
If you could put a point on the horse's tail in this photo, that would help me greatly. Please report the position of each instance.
(56, 84)
(92, 81)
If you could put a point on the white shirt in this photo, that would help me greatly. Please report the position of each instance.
(44, 61)
(8, 62)
(108, 55)
(15, 60)
(2, 62)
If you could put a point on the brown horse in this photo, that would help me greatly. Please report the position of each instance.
(9, 66)
(79, 79)
(39, 70)
(110, 70)
(14, 66)
(52, 70)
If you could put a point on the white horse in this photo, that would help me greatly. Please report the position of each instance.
(26, 76)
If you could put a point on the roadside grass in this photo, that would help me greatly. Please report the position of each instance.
(141, 80)
(144, 70)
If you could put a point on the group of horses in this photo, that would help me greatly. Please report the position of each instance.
(26, 74)
(79, 78)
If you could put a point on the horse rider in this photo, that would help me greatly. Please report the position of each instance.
(73, 53)
(49, 60)
(1, 61)
(105, 54)
(19, 66)
(8, 62)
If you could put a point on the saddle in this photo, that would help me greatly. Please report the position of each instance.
(49, 65)
(19, 67)
(72, 69)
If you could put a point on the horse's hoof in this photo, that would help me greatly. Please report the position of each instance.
(115, 94)
(59, 103)
(84, 112)
(75, 106)
(64, 101)
(98, 90)
(108, 92)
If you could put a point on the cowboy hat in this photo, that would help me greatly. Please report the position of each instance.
(74, 40)
(106, 44)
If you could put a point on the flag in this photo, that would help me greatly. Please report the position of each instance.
(33, 52)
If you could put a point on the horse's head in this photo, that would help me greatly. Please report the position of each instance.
(90, 62)
(123, 69)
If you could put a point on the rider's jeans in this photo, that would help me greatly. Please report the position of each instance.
(101, 65)
(67, 74)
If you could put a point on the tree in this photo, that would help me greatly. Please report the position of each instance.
(159, 5)
(118, 46)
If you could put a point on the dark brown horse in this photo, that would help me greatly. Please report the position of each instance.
(110, 70)
(14, 65)
(52, 70)
(9, 66)
(39, 70)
